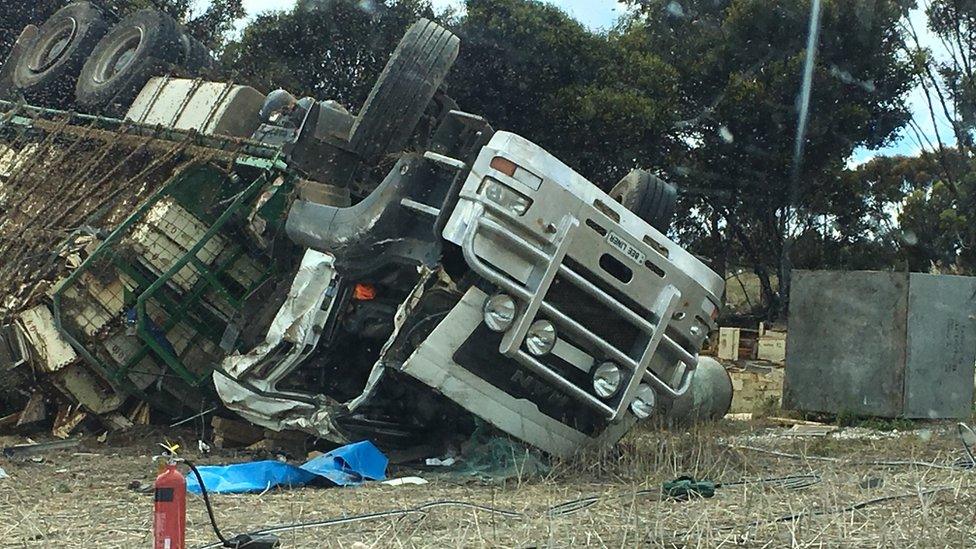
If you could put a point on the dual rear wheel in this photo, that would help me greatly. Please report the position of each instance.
(80, 59)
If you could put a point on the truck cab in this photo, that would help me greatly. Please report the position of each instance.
(530, 298)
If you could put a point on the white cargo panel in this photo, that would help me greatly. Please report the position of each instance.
(211, 108)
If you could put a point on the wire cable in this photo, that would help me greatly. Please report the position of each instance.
(853, 507)
(885, 463)
(791, 482)
(966, 445)
(206, 500)
(421, 509)
(558, 510)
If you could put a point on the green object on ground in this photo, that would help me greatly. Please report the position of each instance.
(683, 488)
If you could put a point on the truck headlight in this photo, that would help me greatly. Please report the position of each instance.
(606, 380)
(505, 196)
(500, 312)
(541, 337)
(644, 402)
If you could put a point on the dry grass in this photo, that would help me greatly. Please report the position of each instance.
(83, 500)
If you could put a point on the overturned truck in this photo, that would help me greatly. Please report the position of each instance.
(402, 275)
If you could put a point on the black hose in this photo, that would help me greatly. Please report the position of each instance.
(206, 501)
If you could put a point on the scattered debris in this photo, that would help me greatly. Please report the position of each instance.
(34, 412)
(791, 421)
(291, 443)
(37, 448)
(141, 486)
(195, 416)
(756, 388)
(806, 430)
(870, 483)
(684, 488)
(68, 418)
(402, 481)
(230, 433)
(496, 459)
(3, 474)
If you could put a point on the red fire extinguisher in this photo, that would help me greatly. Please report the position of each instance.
(169, 518)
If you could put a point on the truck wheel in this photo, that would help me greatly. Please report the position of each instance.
(400, 96)
(648, 196)
(143, 45)
(49, 67)
(199, 59)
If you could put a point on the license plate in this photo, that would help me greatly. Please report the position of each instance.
(626, 247)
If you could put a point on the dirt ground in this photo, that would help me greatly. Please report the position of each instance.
(82, 497)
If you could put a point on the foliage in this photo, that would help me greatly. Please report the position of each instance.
(954, 22)
(601, 103)
(936, 214)
(939, 221)
(740, 64)
(329, 49)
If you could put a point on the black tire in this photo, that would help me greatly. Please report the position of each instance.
(7, 90)
(199, 59)
(47, 70)
(401, 94)
(145, 44)
(648, 196)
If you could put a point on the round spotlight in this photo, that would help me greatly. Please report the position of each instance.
(541, 337)
(644, 402)
(606, 380)
(500, 312)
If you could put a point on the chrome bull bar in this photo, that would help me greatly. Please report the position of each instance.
(533, 296)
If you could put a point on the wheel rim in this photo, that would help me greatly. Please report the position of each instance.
(119, 57)
(54, 46)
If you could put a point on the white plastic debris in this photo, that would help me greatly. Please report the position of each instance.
(438, 462)
(405, 481)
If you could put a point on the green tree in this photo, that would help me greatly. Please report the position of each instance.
(954, 22)
(934, 216)
(740, 66)
(326, 49)
(938, 215)
(600, 102)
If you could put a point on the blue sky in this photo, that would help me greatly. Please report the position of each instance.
(600, 14)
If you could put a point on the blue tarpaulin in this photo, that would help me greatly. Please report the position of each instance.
(349, 465)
